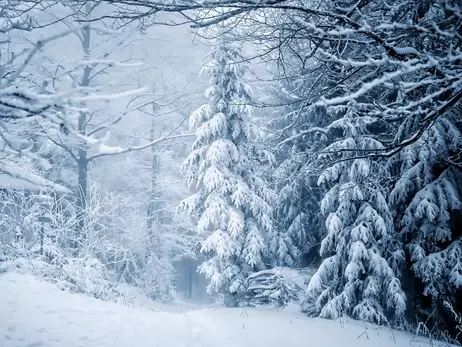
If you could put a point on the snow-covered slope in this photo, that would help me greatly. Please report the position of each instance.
(34, 313)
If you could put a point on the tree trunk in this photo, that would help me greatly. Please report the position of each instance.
(153, 205)
(82, 193)
(190, 282)
(82, 157)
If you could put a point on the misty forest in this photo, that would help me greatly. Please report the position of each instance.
(212, 170)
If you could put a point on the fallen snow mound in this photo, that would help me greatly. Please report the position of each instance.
(36, 313)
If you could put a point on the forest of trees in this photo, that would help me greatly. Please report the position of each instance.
(342, 154)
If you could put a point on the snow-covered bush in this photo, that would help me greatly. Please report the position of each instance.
(78, 275)
(87, 276)
(278, 286)
(113, 247)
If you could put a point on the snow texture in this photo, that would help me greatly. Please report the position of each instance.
(35, 313)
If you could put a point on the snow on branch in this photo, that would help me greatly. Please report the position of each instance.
(102, 150)
(15, 178)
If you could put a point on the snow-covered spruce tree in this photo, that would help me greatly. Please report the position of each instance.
(426, 200)
(232, 203)
(297, 143)
(357, 277)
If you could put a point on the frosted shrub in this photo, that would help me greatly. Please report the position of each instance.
(277, 286)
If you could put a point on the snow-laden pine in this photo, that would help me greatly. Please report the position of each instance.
(298, 196)
(232, 204)
(426, 199)
(356, 277)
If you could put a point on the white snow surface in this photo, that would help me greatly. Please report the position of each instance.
(35, 313)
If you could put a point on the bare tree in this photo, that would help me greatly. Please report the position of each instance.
(408, 39)
(83, 130)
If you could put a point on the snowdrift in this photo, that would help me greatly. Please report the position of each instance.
(36, 313)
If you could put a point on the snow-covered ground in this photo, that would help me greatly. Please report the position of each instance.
(35, 313)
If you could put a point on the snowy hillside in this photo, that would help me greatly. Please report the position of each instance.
(34, 313)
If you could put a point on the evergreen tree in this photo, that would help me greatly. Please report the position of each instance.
(426, 199)
(232, 202)
(297, 143)
(357, 277)
(295, 134)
